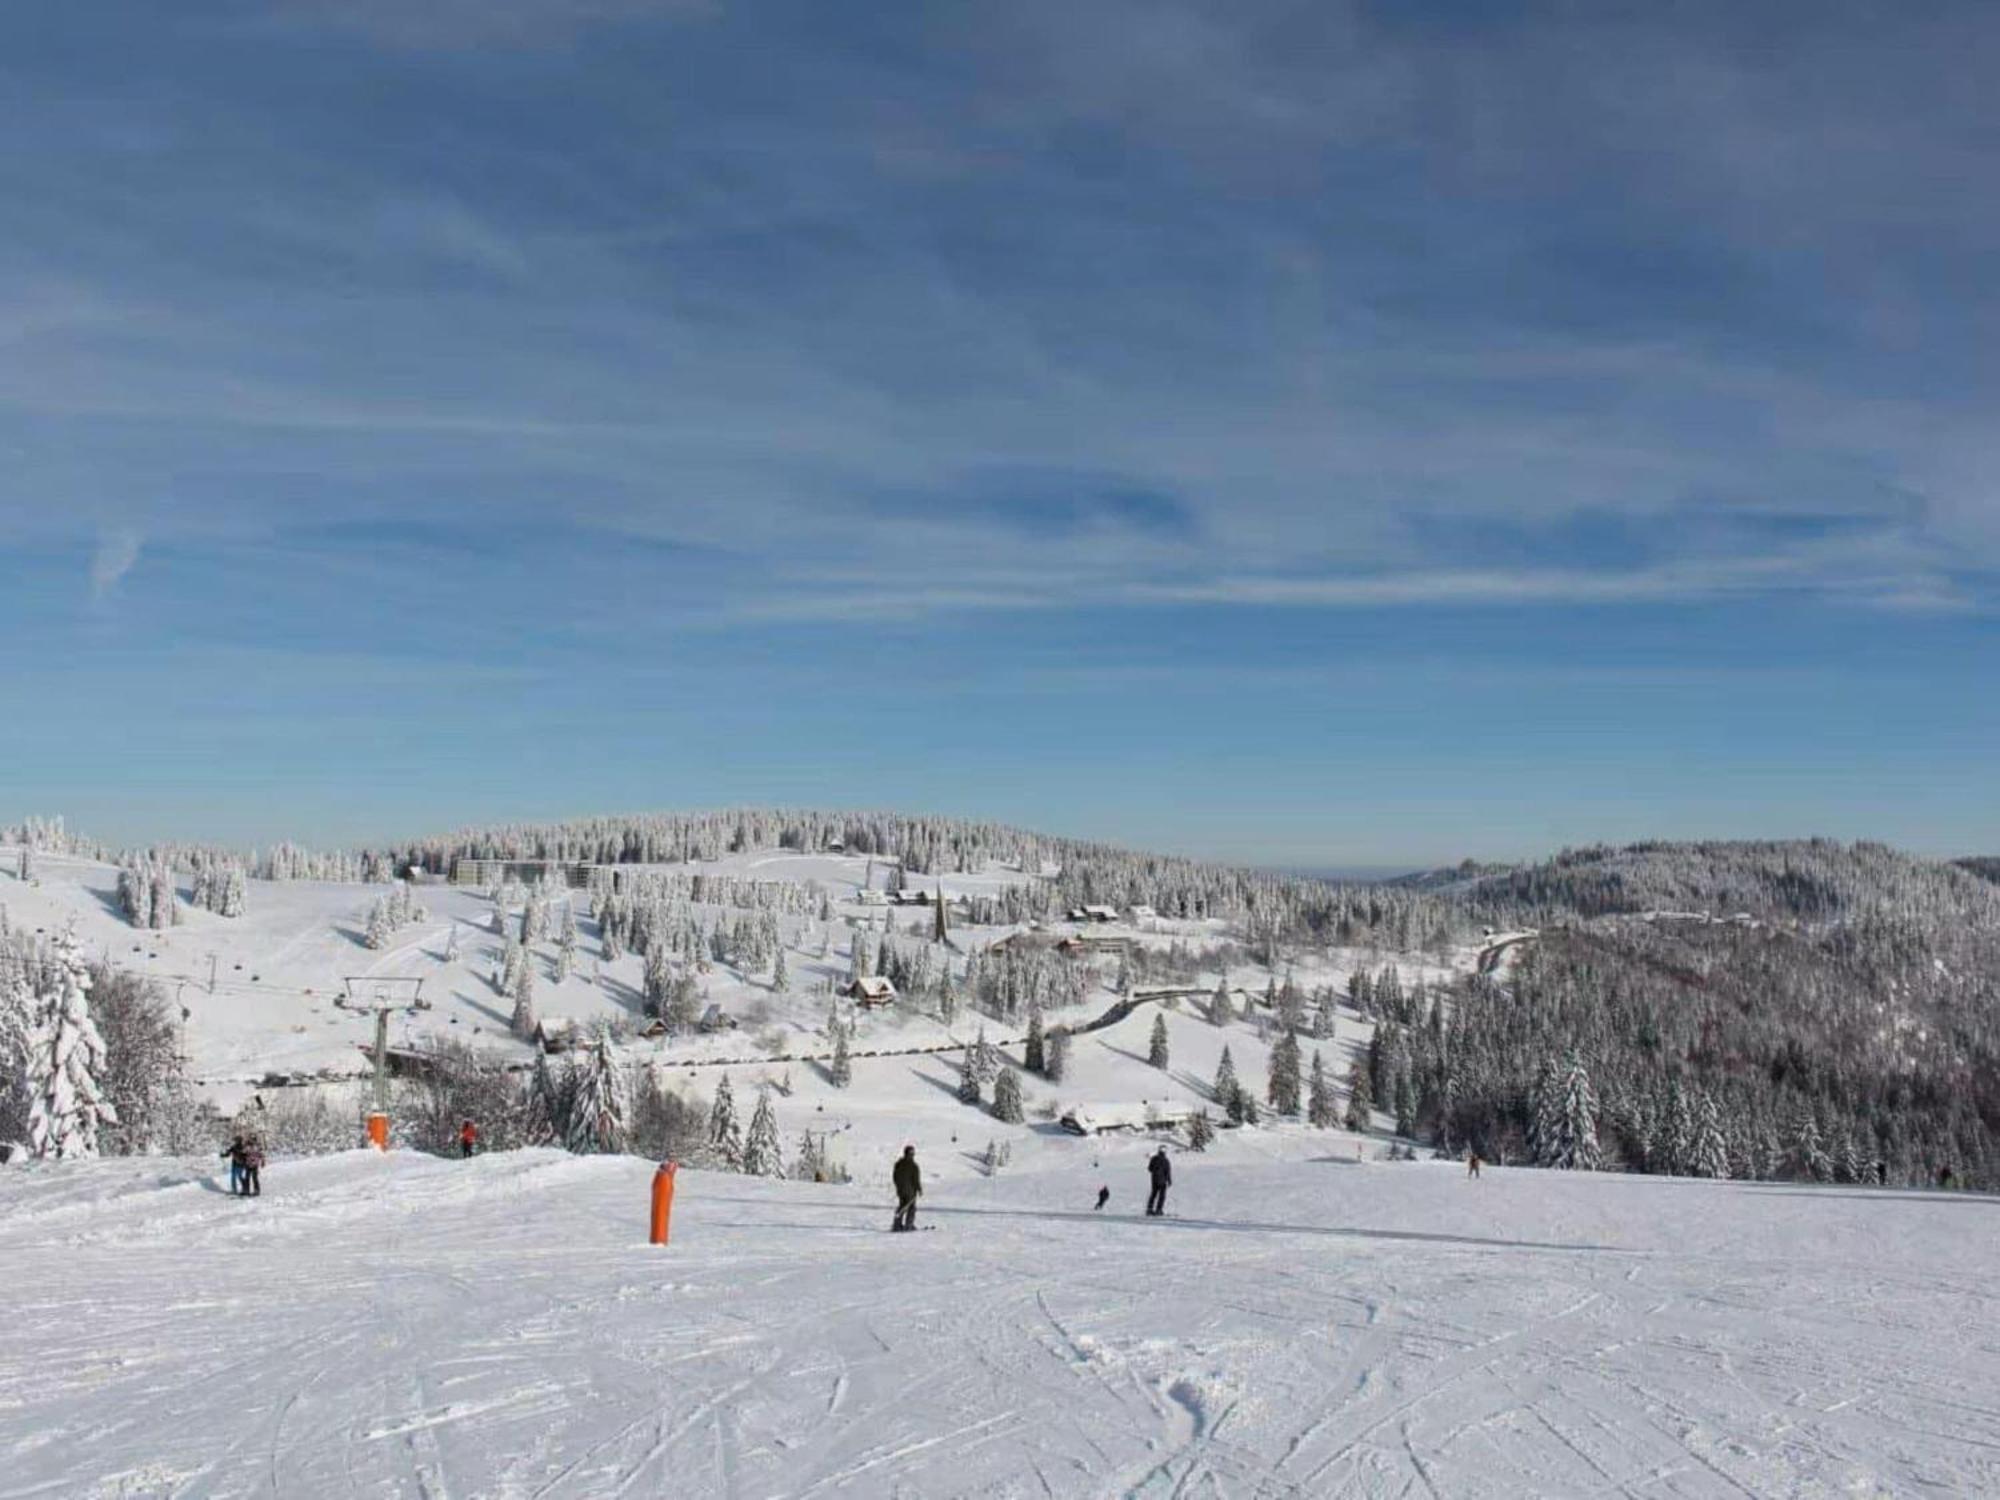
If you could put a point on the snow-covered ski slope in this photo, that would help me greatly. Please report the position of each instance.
(407, 1326)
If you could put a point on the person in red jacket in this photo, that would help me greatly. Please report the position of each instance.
(468, 1139)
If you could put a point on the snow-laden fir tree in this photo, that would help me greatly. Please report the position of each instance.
(166, 900)
(1034, 1054)
(1201, 1130)
(66, 1108)
(378, 931)
(524, 1020)
(600, 1112)
(1710, 1151)
(1543, 1130)
(763, 1153)
(565, 958)
(985, 1060)
(232, 891)
(1225, 1079)
(840, 1072)
(1007, 1097)
(1406, 1104)
(1057, 1056)
(969, 1084)
(20, 1015)
(1220, 1011)
(1570, 1142)
(724, 1133)
(1156, 1044)
(781, 978)
(1322, 1110)
(1360, 1112)
(1810, 1163)
(683, 1012)
(1282, 1086)
(1323, 1015)
(547, 1115)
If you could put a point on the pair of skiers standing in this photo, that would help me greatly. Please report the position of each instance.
(246, 1162)
(908, 1179)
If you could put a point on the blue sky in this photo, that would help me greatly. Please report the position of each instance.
(1319, 434)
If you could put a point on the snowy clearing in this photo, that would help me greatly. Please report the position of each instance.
(412, 1326)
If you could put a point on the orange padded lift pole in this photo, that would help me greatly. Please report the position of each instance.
(663, 1199)
(378, 1131)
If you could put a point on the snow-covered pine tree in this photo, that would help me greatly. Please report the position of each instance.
(1007, 1097)
(724, 1133)
(1220, 1011)
(1282, 1086)
(1034, 1049)
(985, 1061)
(1057, 1053)
(1710, 1152)
(781, 978)
(1406, 1105)
(377, 933)
(763, 1152)
(969, 1087)
(601, 1111)
(1323, 1015)
(546, 1115)
(233, 892)
(1225, 1086)
(840, 1072)
(65, 1105)
(1360, 1112)
(1156, 1044)
(1810, 1162)
(1321, 1109)
(1544, 1133)
(166, 901)
(1201, 1130)
(1574, 1147)
(683, 1012)
(524, 1020)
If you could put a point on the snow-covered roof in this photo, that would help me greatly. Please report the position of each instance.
(872, 987)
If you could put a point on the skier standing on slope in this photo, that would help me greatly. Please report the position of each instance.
(253, 1163)
(909, 1181)
(1162, 1172)
(1103, 1196)
(468, 1138)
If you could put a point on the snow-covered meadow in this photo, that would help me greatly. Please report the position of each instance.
(411, 1326)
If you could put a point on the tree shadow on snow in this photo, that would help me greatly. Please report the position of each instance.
(1869, 1195)
(1246, 1226)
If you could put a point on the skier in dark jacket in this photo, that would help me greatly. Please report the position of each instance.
(909, 1181)
(235, 1151)
(253, 1164)
(1162, 1172)
(1103, 1196)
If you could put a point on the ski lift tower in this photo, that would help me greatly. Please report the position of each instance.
(382, 996)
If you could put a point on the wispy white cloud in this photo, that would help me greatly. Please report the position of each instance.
(117, 554)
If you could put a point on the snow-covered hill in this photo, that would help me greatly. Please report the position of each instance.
(259, 991)
(410, 1326)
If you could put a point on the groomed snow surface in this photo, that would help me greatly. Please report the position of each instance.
(405, 1326)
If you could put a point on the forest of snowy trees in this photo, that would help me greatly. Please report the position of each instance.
(1809, 1011)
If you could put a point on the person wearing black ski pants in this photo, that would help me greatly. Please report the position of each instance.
(909, 1181)
(1162, 1172)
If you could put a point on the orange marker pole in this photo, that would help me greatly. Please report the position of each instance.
(378, 1131)
(663, 1199)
